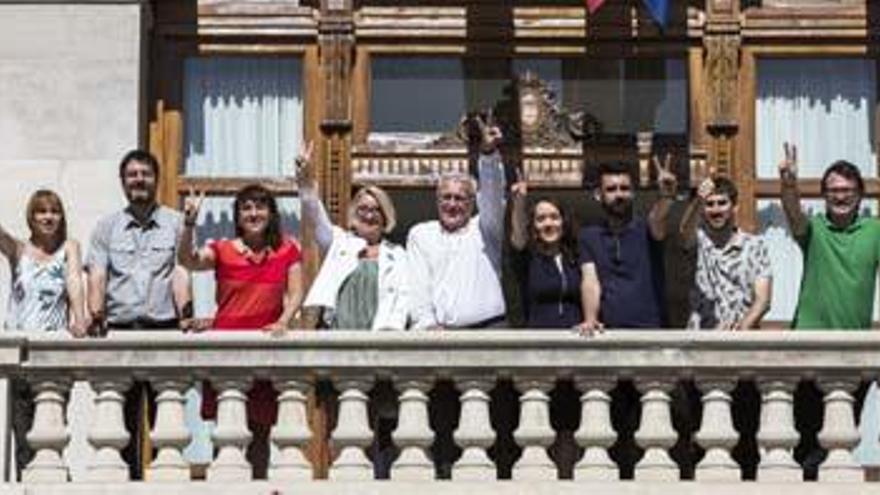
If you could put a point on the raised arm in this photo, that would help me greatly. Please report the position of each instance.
(312, 206)
(9, 245)
(490, 194)
(519, 221)
(79, 325)
(791, 197)
(659, 213)
(188, 255)
(691, 218)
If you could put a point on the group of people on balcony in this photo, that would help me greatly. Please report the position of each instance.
(609, 275)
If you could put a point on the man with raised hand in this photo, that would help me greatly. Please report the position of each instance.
(841, 248)
(733, 279)
(622, 258)
(455, 261)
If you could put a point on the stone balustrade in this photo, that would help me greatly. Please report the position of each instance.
(670, 409)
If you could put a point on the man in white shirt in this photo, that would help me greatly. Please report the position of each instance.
(455, 261)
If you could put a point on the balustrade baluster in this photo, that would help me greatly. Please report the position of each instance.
(717, 434)
(170, 434)
(656, 434)
(48, 435)
(474, 433)
(352, 433)
(231, 437)
(596, 433)
(534, 433)
(839, 433)
(776, 434)
(413, 434)
(108, 434)
(292, 433)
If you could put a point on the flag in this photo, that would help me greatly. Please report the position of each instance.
(593, 5)
(659, 10)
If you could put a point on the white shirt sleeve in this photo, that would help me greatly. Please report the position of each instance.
(421, 304)
(313, 209)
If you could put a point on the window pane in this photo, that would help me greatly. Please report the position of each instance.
(825, 107)
(416, 94)
(243, 115)
(430, 94)
(785, 255)
(215, 222)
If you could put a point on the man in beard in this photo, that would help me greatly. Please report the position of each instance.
(135, 282)
(733, 277)
(621, 259)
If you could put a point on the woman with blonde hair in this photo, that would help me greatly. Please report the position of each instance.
(47, 289)
(362, 284)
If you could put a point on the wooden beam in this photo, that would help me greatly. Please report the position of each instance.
(229, 186)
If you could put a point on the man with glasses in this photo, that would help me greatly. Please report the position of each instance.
(455, 262)
(841, 249)
(622, 258)
(733, 278)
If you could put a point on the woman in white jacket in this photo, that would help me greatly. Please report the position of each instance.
(363, 282)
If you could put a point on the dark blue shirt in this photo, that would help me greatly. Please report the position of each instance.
(552, 298)
(630, 268)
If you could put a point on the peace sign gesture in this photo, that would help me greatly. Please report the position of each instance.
(191, 206)
(303, 162)
(666, 179)
(490, 133)
(520, 188)
(788, 166)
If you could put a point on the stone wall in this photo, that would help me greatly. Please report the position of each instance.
(70, 97)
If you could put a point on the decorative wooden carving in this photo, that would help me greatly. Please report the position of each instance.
(722, 42)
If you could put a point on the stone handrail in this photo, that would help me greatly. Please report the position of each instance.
(655, 362)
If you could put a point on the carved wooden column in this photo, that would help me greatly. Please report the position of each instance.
(336, 44)
(722, 42)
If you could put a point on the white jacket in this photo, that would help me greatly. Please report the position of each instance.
(342, 259)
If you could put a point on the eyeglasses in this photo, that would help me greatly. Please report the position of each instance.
(364, 210)
(454, 198)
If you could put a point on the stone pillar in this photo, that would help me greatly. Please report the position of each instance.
(413, 434)
(596, 433)
(352, 433)
(777, 435)
(534, 433)
(717, 434)
(108, 434)
(474, 433)
(231, 437)
(839, 433)
(48, 435)
(656, 434)
(170, 435)
(292, 433)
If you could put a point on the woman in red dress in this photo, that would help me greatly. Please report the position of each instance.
(259, 287)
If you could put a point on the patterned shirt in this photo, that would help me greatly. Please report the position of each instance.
(723, 290)
(139, 262)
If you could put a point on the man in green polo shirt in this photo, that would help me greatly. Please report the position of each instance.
(841, 254)
(841, 249)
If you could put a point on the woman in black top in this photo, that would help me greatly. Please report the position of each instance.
(546, 246)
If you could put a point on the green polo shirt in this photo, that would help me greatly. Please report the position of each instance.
(840, 269)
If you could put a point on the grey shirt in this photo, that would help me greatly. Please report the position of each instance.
(139, 262)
